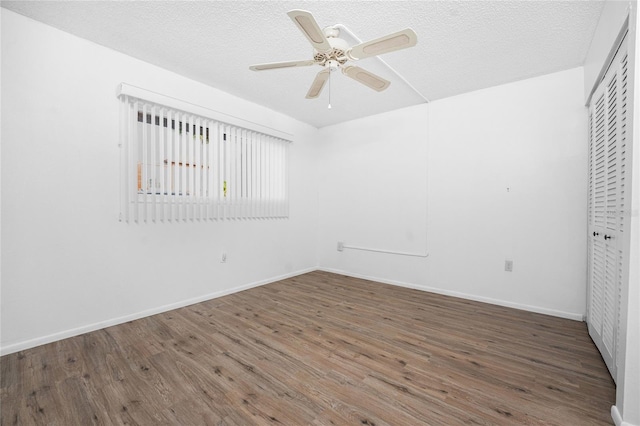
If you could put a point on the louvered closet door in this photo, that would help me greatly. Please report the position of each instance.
(607, 161)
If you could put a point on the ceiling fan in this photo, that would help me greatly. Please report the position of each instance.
(332, 53)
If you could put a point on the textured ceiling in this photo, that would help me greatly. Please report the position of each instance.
(462, 45)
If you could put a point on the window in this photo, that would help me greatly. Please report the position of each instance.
(178, 166)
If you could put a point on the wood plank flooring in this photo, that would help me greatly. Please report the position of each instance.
(317, 349)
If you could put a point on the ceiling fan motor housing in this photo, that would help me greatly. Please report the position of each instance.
(331, 32)
(337, 55)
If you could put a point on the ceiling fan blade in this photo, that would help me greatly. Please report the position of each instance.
(389, 43)
(287, 64)
(318, 84)
(309, 27)
(365, 77)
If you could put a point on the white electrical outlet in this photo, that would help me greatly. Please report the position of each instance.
(508, 265)
(340, 246)
(223, 257)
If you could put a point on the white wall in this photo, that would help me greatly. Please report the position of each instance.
(67, 264)
(527, 136)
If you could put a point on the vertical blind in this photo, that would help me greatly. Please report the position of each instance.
(180, 166)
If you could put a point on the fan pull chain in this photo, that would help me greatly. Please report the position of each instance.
(329, 107)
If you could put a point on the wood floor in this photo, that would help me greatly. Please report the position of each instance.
(318, 349)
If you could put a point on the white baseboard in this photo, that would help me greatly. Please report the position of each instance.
(536, 309)
(26, 344)
(615, 415)
(617, 418)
